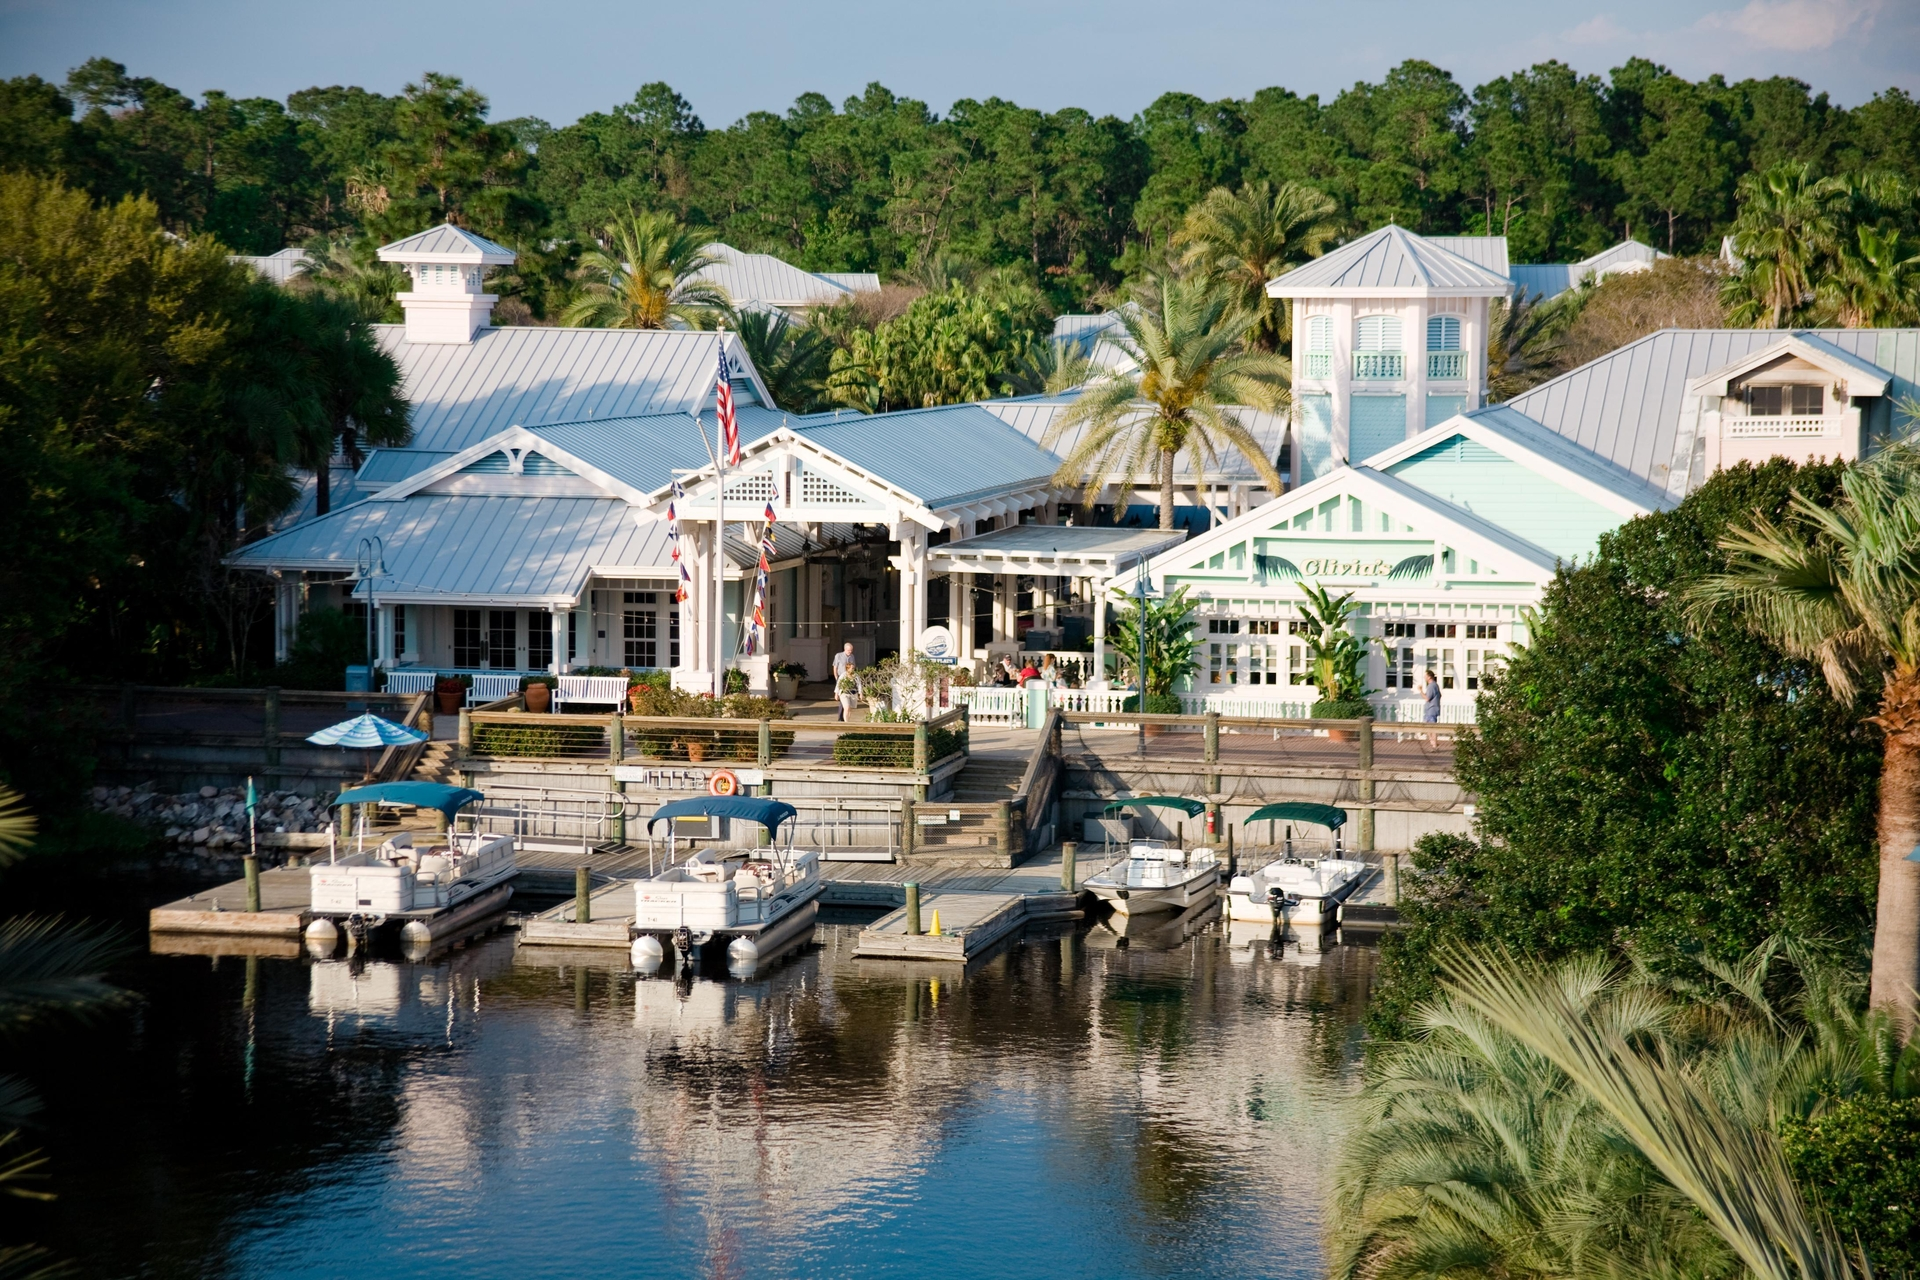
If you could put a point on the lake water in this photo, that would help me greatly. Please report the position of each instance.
(1070, 1107)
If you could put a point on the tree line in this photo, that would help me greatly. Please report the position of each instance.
(1562, 163)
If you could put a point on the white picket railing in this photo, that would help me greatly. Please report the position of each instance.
(990, 704)
(1002, 706)
(1093, 700)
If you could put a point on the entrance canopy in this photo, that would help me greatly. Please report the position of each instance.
(1046, 550)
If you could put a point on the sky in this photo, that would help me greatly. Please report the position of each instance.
(560, 59)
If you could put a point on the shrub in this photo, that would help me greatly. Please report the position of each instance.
(894, 751)
(538, 740)
(1344, 709)
(325, 644)
(1860, 1158)
(1158, 704)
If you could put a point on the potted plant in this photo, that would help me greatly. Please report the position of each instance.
(450, 693)
(1169, 643)
(786, 680)
(1335, 660)
(537, 691)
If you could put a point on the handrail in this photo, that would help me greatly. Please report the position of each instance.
(1261, 722)
(400, 761)
(239, 695)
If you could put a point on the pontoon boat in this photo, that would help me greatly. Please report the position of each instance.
(1297, 888)
(755, 898)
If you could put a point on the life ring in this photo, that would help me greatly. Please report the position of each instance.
(723, 782)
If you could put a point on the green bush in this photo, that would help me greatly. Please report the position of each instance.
(536, 740)
(325, 643)
(1158, 704)
(1345, 709)
(893, 751)
(1860, 1159)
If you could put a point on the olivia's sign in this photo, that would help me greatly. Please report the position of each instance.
(1334, 568)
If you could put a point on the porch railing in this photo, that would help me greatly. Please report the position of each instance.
(1008, 707)
(1379, 364)
(1446, 364)
(1319, 364)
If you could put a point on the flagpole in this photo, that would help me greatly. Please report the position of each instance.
(719, 544)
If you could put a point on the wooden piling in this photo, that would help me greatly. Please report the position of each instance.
(463, 741)
(1003, 828)
(1366, 784)
(1390, 864)
(1068, 848)
(583, 895)
(252, 866)
(764, 757)
(909, 831)
(913, 906)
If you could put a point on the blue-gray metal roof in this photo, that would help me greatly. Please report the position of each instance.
(943, 456)
(446, 243)
(644, 451)
(1483, 251)
(854, 281)
(1537, 439)
(279, 267)
(1390, 259)
(1033, 416)
(1542, 279)
(761, 277)
(390, 466)
(477, 547)
(1626, 405)
(463, 392)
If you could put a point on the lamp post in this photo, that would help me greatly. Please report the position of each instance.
(371, 563)
(1141, 589)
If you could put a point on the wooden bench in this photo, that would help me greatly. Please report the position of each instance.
(491, 687)
(601, 690)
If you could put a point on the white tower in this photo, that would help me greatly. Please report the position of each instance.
(447, 266)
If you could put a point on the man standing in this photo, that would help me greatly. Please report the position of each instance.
(843, 665)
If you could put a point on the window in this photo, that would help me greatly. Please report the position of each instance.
(1400, 668)
(1799, 400)
(1320, 333)
(539, 640)
(1223, 626)
(1440, 630)
(1296, 664)
(399, 630)
(1443, 333)
(641, 633)
(1440, 662)
(468, 649)
(1483, 631)
(1399, 630)
(673, 638)
(1473, 668)
(1377, 333)
(1263, 626)
(503, 627)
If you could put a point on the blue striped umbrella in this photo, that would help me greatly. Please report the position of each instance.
(367, 731)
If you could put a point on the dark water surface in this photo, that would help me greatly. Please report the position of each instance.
(1071, 1107)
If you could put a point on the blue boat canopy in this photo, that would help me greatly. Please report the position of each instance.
(425, 795)
(1192, 808)
(768, 813)
(1323, 815)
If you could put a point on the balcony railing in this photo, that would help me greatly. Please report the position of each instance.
(1379, 364)
(1319, 364)
(1446, 364)
(1775, 426)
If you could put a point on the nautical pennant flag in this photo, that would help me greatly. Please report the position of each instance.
(759, 628)
(673, 536)
(729, 425)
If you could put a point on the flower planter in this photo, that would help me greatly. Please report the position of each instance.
(786, 688)
(697, 752)
(539, 697)
(449, 696)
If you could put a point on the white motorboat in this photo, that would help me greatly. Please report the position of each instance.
(435, 881)
(752, 898)
(1154, 876)
(1297, 889)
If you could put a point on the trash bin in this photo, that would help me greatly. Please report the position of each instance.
(1036, 704)
(359, 679)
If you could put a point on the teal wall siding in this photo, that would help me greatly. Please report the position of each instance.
(1504, 493)
(1313, 439)
(1379, 422)
(1440, 408)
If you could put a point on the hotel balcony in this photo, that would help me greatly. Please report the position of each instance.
(1319, 364)
(1379, 365)
(1443, 365)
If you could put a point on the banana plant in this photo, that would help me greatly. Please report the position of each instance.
(1336, 658)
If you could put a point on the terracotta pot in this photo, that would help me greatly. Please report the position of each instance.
(1341, 735)
(539, 697)
(1154, 730)
(697, 752)
(633, 699)
(449, 700)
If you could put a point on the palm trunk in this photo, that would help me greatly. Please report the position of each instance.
(1896, 926)
(1166, 489)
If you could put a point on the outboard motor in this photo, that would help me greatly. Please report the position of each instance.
(683, 943)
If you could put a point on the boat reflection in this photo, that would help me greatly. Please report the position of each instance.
(1158, 932)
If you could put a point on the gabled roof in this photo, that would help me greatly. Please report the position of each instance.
(1483, 251)
(853, 281)
(1032, 416)
(279, 267)
(1627, 405)
(763, 278)
(447, 243)
(945, 456)
(390, 466)
(1390, 262)
(445, 548)
(463, 392)
(1863, 378)
(1551, 279)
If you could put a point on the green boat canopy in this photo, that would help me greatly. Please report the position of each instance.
(1192, 808)
(1322, 815)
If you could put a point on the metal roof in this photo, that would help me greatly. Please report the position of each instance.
(1626, 406)
(1032, 416)
(1557, 449)
(854, 281)
(944, 456)
(761, 277)
(447, 243)
(390, 466)
(476, 547)
(1389, 262)
(463, 392)
(1483, 251)
(1542, 280)
(1550, 279)
(1067, 549)
(278, 267)
(645, 450)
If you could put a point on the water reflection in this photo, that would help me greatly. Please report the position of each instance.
(1071, 1106)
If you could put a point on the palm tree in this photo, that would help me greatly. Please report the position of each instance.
(347, 267)
(1246, 238)
(793, 359)
(1185, 337)
(1051, 368)
(648, 278)
(1875, 281)
(1841, 587)
(1523, 340)
(1789, 221)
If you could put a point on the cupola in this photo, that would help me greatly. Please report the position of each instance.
(447, 265)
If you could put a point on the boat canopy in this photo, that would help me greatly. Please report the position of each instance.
(1324, 815)
(1192, 808)
(426, 795)
(768, 813)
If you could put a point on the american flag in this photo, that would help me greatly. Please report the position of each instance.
(759, 628)
(729, 425)
(673, 535)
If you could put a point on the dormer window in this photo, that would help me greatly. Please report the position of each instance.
(1796, 400)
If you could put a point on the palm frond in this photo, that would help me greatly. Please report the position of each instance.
(50, 967)
(17, 826)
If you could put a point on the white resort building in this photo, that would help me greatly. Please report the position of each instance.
(524, 526)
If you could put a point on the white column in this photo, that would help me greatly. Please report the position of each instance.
(286, 616)
(558, 617)
(1099, 586)
(383, 637)
(913, 588)
(960, 597)
(1415, 341)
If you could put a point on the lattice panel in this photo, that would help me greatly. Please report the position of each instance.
(817, 490)
(754, 488)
